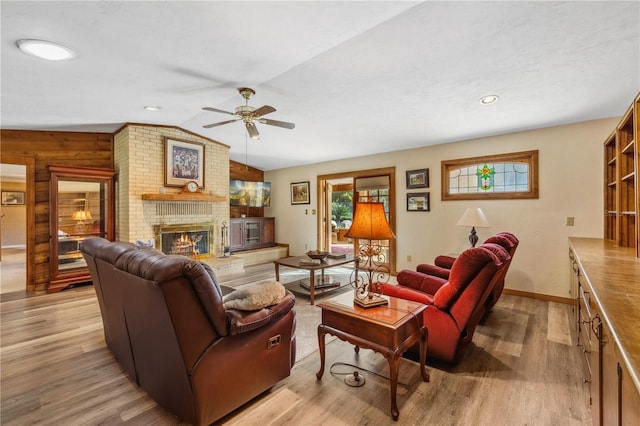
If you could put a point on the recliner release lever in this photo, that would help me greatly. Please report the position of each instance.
(274, 341)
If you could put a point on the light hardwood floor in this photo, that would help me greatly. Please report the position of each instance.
(523, 368)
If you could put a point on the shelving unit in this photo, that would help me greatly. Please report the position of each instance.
(621, 188)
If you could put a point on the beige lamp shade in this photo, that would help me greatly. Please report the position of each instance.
(370, 223)
(81, 215)
(473, 217)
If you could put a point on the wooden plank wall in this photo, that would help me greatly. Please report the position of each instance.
(45, 148)
(239, 171)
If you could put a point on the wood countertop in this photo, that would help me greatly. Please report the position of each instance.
(613, 273)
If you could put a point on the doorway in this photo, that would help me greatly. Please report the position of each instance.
(13, 228)
(334, 218)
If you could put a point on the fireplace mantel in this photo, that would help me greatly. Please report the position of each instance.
(185, 197)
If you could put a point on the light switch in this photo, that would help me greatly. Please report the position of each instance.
(570, 220)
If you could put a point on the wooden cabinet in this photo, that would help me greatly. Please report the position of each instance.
(248, 233)
(82, 206)
(621, 188)
(608, 295)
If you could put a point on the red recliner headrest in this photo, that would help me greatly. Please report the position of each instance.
(466, 268)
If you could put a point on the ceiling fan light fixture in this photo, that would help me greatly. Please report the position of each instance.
(489, 99)
(45, 49)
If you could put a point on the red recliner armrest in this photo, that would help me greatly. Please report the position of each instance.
(406, 293)
(434, 270)
(425, 283)
(444, 261)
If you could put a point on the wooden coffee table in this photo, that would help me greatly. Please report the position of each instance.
(389, 330)
(294, 262)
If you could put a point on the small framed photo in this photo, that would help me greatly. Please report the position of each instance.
(417, 178)
(418, 202)
(12, 198)
(300, 193)
(184, 162)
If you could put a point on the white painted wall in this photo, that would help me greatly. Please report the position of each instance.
(571, 184)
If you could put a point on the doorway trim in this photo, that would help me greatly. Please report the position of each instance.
(30, 201)
(321, 202)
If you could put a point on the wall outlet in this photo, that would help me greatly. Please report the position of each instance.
(570, 220)
(306, 247)
(409, 258)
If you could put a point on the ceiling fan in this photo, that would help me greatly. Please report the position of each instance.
(249, 114)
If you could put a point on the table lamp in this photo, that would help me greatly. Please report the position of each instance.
(80, 216)
(370, 224)
(473, 217)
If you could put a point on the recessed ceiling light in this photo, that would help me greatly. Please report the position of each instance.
(152, 108)
(45, 49)
(490, 99)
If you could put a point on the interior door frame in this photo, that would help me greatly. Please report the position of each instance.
(30, 201)
(323, 203)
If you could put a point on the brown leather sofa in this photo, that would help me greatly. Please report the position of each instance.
(165, 323)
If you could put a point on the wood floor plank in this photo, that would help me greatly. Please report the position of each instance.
(521, 368)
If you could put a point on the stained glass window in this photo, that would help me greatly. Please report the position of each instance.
(499, 176)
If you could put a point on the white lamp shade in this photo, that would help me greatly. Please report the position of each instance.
(473, 217)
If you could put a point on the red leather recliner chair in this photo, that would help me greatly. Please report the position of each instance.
(442, 265)
(455, 307)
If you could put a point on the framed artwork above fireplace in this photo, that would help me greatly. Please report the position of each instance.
(184, 162)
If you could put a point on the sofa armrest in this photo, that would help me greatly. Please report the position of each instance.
(434, 270)
(245, 321)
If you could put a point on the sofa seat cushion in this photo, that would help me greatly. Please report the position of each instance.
(254, 296)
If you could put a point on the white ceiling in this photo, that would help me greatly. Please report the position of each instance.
(355, 77)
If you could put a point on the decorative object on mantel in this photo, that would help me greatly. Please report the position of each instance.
(473, 218)
(370, 223)
(184, 162)
(191, 187)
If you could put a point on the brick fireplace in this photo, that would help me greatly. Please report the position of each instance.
(139, 159)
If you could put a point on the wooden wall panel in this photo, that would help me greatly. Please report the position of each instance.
(239, 171)
(45, 148)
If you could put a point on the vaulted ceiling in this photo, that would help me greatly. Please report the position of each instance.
(355, 77)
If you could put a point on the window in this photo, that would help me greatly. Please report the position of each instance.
(502, 176)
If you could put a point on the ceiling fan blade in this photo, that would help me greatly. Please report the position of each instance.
(263, 110)
(218, 110)
(277, 123)
(253, 130)
(208, 126)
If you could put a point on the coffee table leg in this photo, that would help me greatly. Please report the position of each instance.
(277, 272)
(321, 333)
(312, 284)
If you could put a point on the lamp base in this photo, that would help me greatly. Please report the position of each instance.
(370, 302)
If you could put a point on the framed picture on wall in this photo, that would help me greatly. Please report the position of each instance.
(184, 162)
(12, 198)
(417, 178)
(418, 202)
(300, 193)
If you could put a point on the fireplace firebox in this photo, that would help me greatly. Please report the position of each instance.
(192, 240)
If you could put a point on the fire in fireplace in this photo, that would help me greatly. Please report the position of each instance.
(191, 240)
